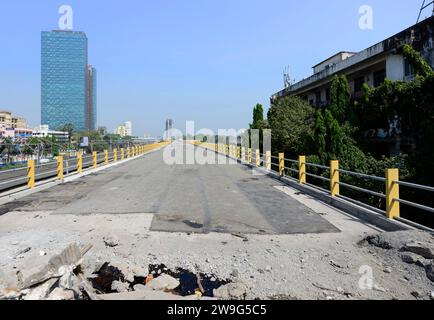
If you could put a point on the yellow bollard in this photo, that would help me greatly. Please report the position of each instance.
(243, 153)
(95, 159)
(128, 152)
(238, 152)
(249, 155)
(115, 155)
(79, 162)
(60, 167)
(268, 160)
(122, 154)
(31, 173)
(281, 164)
(393, 208)
(334, 178)
(106, 158)
(258, 158)
(302, 169)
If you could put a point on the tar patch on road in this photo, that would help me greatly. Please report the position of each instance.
(12, 206)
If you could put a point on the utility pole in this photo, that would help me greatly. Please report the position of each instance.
(425, 4)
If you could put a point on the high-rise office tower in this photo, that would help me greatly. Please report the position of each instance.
(68, 83)
(91, 111)
(169, 129)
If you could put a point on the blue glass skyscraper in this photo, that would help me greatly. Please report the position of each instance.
(68, 89)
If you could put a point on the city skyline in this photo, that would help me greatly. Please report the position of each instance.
(160, 65)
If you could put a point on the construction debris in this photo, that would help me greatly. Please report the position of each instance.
(111, 241)
(422, 249)
(70, 257)
(64, 278)
(163, 283)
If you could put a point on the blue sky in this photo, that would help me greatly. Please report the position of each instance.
(209, 61)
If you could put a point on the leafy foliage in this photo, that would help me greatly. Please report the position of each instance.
(291, 121)
(419, 64)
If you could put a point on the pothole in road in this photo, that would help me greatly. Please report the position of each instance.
(193, 224)
(190, 283)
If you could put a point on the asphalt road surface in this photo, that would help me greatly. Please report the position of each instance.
(183, 198)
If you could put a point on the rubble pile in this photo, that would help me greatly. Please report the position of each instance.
(67, 277)
(413, 252)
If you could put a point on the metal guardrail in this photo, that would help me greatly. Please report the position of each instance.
(392, 182)
(57, 169)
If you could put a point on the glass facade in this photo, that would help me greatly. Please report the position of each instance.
(64, 80)
(94, 99)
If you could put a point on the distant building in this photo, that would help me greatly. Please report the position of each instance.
(9, 121)
(91, 94)
(13, 127)
(372, 66)
(125, 130)
(102, 131)
(121, 131)
(44, 131)
(129, 129)
(169, 129)
(7, 132)
(23, 134)
(68, 83)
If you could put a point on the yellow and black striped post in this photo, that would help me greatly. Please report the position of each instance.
(79, 162)
(60, 167)
(31, 173)
(95, 159)
(393, 208)
(268, 160)
(281, 164)
(302, 169)
(334, 178)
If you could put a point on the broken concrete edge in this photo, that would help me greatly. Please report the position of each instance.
(24, 191)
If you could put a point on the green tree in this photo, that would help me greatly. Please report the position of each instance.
(29, 147)
(8, 149)
(291, 121)
(68, 127)
(258, 117)
(340, 95)
(420, 66)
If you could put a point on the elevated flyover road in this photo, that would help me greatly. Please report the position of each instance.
(183, 198)
(270, 240)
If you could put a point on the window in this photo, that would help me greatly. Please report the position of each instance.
(408, 68)
(318, 97)
(379, 77)
(358, 84)
(328, 96)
